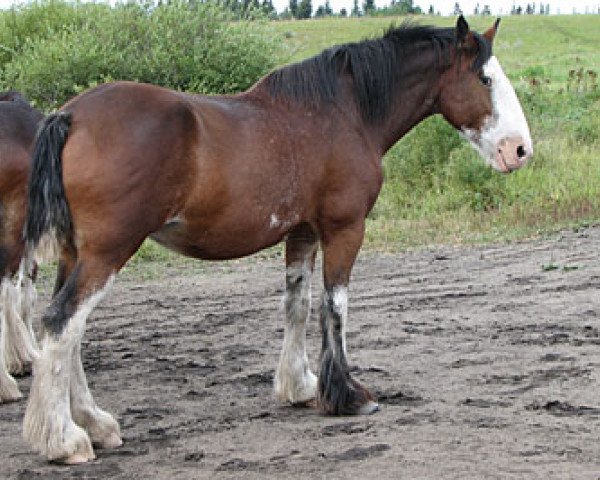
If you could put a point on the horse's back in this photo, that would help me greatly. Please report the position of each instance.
(18, 123)
(18, 126)
(139, 111)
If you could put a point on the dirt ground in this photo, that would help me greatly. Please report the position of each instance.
(485, 360)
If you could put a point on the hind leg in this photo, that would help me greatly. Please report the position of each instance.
(294, 382)
(57, 382)
(102, 428)
(339, 393)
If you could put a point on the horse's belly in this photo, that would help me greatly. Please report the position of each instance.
(221, 242)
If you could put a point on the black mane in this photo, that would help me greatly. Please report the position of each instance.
(375, 66)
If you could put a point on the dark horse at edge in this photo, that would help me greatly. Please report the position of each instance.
(297, 158)
(18, 126)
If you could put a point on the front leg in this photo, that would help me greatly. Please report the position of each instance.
(339, 393)
(294, 382)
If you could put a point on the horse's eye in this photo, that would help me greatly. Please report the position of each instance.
(487, 81)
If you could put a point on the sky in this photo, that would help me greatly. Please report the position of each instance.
(446, 7)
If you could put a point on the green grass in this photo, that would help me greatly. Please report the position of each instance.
(438, 191)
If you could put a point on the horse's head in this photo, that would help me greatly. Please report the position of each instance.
(12, 96)
(478, 99)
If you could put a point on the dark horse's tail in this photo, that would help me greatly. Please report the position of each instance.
(48, 209)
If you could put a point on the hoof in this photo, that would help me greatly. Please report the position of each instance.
(112, 441)
(368, 408)
(340, 394)
(298, 392)
(312, 403)
(55, 436)
(76, 459)
(11, 398)
(9, 390)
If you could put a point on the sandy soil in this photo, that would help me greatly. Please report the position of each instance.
(485, 360)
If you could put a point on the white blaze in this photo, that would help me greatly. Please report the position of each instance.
(507, 119)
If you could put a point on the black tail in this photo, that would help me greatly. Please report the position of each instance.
(48, 209)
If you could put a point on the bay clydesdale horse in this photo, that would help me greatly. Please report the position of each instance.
(297, 158)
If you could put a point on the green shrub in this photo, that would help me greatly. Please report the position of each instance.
(186, 46)
(38, 20)
(475, 185)
(418, 160)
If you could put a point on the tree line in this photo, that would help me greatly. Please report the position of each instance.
(303, 9)
(530, 9)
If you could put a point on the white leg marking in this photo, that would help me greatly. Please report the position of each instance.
(340, 305)
(48, 426)
(20, 348)
(9, 391)
(337, 301)
(294, 382)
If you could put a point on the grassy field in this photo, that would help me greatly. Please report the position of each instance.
(437, 190)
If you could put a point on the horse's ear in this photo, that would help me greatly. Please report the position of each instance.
(462, 30)
(490, 33)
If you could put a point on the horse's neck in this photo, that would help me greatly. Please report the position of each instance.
(415, 100)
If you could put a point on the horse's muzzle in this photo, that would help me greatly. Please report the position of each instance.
(512, 153)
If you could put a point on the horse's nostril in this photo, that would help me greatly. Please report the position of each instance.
(521, 151)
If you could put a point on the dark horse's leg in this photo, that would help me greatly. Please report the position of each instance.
(9, 390)
(17, 296)
(339, 394)
(18, 347)
(294, 382)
